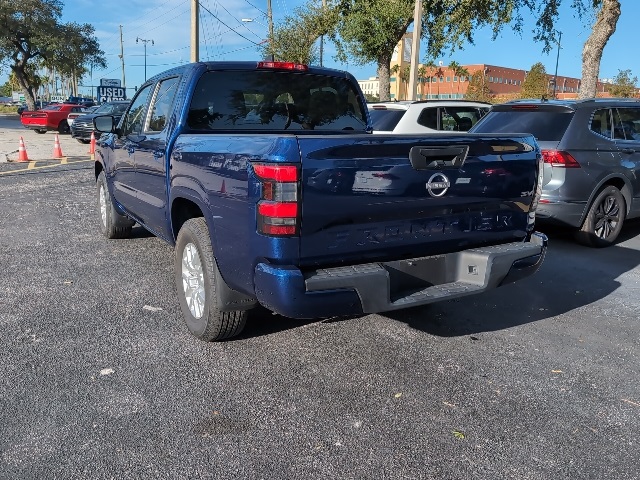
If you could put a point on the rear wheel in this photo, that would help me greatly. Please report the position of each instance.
(111, 223)
(63, 127)
(196, 275)
(603, 222)
(40, 131)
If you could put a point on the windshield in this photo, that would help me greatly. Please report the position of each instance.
(275, 100)
(385, 120)
(111, 108)
(545, 125)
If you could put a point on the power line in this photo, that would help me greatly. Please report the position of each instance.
(218, 18)
(260, 10)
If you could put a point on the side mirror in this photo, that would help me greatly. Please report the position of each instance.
(104, 123)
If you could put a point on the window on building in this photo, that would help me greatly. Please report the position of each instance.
(455, 79)
(448, 79)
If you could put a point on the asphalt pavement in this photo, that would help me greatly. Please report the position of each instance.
(100, 379)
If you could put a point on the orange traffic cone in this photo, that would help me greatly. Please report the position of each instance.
(223, 188)
(22, 152)
(57, 151)
(92, 145)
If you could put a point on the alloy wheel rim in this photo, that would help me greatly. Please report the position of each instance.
(607, 217)
(103, 206)
(193, 280)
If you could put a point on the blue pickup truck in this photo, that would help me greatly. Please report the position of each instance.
(267, 180)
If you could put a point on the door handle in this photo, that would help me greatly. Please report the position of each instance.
(628, 150)
(437, 157)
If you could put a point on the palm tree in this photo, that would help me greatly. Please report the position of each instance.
(430, 67)
(460, 72)
(454, 67)
(404, 76)
(394, 71)
(422, 74)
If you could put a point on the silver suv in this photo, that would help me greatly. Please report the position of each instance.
(425, 116)
(591, 153)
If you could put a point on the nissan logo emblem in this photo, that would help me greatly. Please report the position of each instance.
(438, 185)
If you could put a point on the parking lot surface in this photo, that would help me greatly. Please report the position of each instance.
(100, 378)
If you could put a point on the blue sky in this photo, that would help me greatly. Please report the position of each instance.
(226, 37)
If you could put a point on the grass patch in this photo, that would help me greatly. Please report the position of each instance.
(8, 109)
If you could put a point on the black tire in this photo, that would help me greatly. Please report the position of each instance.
(82, 140)
(111, 223)
(201, 312)
(603, 222)
(40, 131)
(63, 127)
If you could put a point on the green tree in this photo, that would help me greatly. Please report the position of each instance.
(536, 83)
(369, 31)
(294, 39)
(5, 90)
(623, 85)
(478, 89)
(32, 35)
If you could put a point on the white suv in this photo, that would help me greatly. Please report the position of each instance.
(425, 116)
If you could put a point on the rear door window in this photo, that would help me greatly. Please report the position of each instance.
(275, 100)
(601, 122)
(385, 120)
(545, 125)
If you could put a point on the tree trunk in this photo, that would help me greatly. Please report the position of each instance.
(27, 90)
(604, 27)
(384, 61)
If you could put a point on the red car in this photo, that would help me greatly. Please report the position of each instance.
(51, 117)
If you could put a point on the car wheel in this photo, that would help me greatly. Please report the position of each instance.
(40, 131)
(604, 220)
(111, 223)
(82, 140)
(196, 276)
(63, 127)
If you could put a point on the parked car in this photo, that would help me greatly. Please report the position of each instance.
(73, 115)
(425, 116)
(84, 101)
(83, 125)
(51, 117)
(591, 153)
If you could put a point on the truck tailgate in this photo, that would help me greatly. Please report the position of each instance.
(395, 196)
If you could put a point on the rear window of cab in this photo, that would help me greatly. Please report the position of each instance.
(275, 100)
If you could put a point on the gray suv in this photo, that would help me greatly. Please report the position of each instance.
(591, 153)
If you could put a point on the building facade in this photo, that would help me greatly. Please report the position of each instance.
(442, 82)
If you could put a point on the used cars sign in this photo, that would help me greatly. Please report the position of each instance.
(110, 94)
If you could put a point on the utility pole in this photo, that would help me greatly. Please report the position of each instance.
(195, 31)
(124, 83)
(324, 6)
(270, 18)
(555, 76)
(415, 50)
(145, 54)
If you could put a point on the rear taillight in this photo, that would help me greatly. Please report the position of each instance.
(557, 158)
(283, 66)
(278, 210)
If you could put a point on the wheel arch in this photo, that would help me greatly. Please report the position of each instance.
(185, 205)
(620, 183)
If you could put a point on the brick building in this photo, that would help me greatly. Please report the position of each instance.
(442, 82)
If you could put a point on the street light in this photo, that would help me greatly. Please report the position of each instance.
(555, 76)
(145, 54)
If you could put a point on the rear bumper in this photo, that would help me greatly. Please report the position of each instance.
(384, 286)
(560, 212)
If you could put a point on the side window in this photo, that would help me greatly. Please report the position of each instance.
(429, 118)
(601, 122)
(630, 119)
(162, 103)
(134, 119)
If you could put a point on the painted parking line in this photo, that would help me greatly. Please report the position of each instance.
(33, 165)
